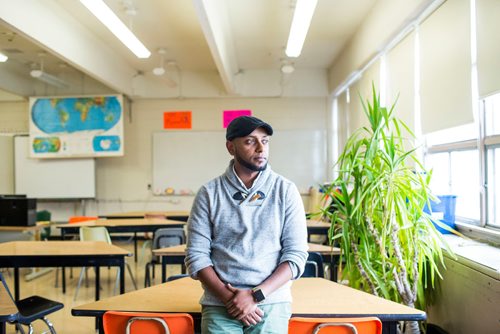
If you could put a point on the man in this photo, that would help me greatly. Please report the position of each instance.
(247, 238)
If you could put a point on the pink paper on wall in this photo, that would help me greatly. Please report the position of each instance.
(229, 115)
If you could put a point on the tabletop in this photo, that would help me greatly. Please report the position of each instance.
(181, 250)
(139, 214)
(124, 222)
(59, 248)
(311, 297)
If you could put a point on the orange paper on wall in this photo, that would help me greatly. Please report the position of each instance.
(177, 120)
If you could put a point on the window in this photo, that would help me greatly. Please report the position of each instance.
(455, 158)
(492, 150)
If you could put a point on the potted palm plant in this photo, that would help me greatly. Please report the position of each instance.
(390, 247)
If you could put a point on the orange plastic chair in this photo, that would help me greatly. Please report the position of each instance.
(152, 323)
(79, 219)
(368, 325)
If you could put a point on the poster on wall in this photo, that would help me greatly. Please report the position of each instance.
(64, 127)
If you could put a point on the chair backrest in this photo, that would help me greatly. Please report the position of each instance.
(366, 325)
(79, 219)
(166, 237)
(314, 265)
(95, 233)
(174, 277)
(151, 323)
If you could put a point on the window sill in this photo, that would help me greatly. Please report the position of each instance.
(475, 232)
(476, 255)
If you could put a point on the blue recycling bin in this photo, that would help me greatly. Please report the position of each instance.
(445, 204)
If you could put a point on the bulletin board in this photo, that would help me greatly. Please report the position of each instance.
(52, 178)
(185, 160)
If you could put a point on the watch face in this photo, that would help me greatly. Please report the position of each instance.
(258, 295)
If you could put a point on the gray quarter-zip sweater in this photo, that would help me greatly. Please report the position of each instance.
(246, 233)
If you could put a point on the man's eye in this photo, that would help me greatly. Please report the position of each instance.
(265, 141)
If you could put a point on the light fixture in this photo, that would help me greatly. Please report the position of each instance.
(117, 27)
(3, 58)
(302, 17)
(287, 68)
(45, 77)
(48, 78)
(160, 70)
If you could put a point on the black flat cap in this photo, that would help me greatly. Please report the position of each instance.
(244, 125)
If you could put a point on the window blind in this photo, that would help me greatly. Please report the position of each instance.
(446, 98)
(488, 47)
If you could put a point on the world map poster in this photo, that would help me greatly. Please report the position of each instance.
(76, 126)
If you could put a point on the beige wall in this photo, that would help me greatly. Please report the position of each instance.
(122, 182)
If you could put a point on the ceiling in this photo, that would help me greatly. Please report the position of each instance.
(212, 47)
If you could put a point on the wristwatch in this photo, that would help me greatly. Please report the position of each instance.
(258, 295)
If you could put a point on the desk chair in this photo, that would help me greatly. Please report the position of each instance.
(151, 323)
(314, 265)
(74, 220)
(163, 237)
(31, 309)
(367, 325)
(99, 233)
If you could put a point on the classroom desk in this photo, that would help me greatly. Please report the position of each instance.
(317, 227)
(19, 254)
(33, 228)
(8, 310)
(123, 225)
(172, 215)
(176, 255)
(312, 297)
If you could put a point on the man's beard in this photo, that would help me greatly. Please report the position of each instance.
(249, 165)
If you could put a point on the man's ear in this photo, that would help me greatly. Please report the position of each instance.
(230, 147)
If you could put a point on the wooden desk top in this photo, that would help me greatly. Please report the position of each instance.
(181, 250)
(21, 228)
(311, 297)
(124, 222)
(8, 309)
(58, 248)
(140, 214)
(317, 223)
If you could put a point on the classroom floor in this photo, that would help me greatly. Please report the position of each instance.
(62, 320)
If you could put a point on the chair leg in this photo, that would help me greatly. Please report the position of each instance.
(49, 325)
(20, 328)
(131, 275)
(79, 283)
(117, 281)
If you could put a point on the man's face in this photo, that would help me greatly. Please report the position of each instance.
(251, 151)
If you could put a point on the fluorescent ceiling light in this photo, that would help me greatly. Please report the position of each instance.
(3, 58)
(49, 79)
(302, 16)
(116, 26)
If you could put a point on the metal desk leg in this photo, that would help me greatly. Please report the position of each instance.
(16, 284)
(135, 246)
(97, 281)
(163, 269)
(122, 276)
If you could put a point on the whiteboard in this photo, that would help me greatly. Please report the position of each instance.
(184, 161)
(52, 178)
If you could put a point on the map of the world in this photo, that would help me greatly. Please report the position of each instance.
(76, 126)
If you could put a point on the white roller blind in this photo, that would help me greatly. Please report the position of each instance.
(488, 46)
(446, 97)
(401, 80)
